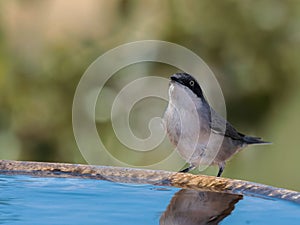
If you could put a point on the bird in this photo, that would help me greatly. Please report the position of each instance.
(195, 207)
(200, 134)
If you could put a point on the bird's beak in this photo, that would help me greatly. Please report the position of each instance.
(174, 78)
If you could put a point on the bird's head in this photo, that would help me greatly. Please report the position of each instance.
(187, 83)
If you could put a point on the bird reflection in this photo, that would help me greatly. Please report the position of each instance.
(189, 207)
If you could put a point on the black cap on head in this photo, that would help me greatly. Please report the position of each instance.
(188, 81)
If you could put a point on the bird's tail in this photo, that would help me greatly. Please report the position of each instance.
(255, 141)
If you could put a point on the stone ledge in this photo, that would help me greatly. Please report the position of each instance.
(143, 176)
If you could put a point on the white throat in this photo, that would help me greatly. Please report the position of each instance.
(182, 97)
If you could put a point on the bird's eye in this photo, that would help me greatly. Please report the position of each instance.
(192, 83)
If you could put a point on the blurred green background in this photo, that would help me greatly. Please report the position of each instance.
(253, 48)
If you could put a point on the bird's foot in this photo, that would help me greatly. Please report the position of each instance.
(221, 168)
(191, 167)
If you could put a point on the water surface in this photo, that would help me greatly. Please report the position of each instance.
(39, 200)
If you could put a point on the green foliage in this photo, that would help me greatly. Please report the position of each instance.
(45, 47)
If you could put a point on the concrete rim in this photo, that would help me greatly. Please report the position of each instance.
(142, 176)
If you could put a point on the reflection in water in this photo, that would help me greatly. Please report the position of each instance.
(189, 207)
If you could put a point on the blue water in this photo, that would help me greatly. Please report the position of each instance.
(36, 200)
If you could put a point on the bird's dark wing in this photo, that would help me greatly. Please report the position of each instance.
(220, 126)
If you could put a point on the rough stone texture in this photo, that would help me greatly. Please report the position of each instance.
(156, 177)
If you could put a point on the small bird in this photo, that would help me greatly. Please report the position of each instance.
(197, 131)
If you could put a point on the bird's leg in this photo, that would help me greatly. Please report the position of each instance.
(191, 167)
(221, 168)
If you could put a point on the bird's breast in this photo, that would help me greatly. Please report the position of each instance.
(185, 127)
